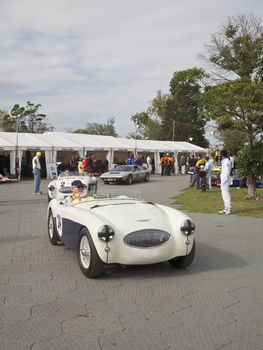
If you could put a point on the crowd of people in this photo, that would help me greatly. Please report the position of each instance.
(141, 160)
(86, 165)
(167, 163)
(200, 170)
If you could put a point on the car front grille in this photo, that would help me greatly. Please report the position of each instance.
(147, 238)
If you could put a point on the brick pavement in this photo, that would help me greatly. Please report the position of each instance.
(46, 303)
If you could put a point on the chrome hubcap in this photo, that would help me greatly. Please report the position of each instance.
(85, 252)
(50, 226)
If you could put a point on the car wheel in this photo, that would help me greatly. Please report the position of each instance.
(105, 182)
(129, 180)
(52, 230)
(147, 178)
(184, 261)
(89, 261)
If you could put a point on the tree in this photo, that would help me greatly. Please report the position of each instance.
(234, 140)
(186, 87)
(147, 127)
(175, 115)
(236, 101)
(99, 129)
(250, 163)
(5, 124)
(28, 119)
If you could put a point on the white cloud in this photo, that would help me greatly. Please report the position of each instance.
(87, 61)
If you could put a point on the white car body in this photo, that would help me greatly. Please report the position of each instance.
(144, 232)
(60, 188)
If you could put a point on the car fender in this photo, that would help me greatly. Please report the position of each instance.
(74, 218)
(178, 216)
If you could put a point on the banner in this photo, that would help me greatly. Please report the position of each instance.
(52, 170)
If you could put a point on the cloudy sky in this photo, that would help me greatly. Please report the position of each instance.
(87, 61)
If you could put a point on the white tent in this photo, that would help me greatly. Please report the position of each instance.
(19, 142)
(51, 142)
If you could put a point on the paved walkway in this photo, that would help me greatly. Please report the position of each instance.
(46, 303)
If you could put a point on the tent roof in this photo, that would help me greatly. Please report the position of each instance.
(5, 144)
(24, 140)
(90, 142)
(72, 141)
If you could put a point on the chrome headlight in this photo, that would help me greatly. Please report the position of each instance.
(187, 227)
(106, 233)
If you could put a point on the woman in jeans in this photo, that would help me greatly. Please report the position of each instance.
(36, 172)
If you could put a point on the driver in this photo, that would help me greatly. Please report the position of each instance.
(79, 191)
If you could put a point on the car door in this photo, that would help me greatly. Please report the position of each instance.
(136, 173)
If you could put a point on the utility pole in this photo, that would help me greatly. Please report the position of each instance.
(16, 153)
(136, 128)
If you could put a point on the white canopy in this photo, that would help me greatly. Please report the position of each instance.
(72, 141)
(51, 142)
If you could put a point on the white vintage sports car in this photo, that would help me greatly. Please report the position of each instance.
(126, 174)
(60, 188)
(117, 229)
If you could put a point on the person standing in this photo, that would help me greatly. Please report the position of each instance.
(191, 162)
(225, 182)
(36, 168)
(86, 163)
(73, 164)
(162, 164)
(149, 163)
(209, 167)
(90, 164)
(80, 166)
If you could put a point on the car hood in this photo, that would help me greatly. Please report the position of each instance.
(67, 180)
(114, 172)
(132, 216)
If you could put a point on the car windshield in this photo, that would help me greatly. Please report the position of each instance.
(122, 168)
(101, 197)
(69, 173)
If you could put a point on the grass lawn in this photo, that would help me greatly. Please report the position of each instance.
(192, 200)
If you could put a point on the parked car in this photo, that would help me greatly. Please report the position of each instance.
(60, 188)
(120, 229)
(5, 179)
(126, 174)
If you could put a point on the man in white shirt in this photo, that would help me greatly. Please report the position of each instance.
(149, 163)
(225, 182)
(209, 165)
(36, 167)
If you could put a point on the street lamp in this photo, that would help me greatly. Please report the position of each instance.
(136, 129)
(173, 128)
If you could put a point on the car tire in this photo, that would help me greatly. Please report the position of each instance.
(129, 180)
(184, 261)
(106, 182)
(147, 178)
(52, 229)
(89, 261)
